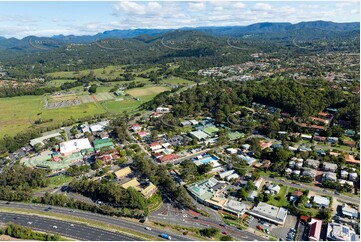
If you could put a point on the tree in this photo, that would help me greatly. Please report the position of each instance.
(93, 88)
(209, 232)
(226, 238)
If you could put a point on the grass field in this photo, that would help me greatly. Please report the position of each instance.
(146, 91)
(282, 202)
(57, 82)
(176, 80)
(18, 113)
(120, 106)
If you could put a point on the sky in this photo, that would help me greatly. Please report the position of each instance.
(20, 19)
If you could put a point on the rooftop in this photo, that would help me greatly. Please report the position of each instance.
(274, 214)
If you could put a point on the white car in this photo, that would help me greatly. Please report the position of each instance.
(72, 225)
(55, 227)
(30, 222)
(147, 228)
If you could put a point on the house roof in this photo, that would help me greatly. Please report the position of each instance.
(315, 229)
(168, 157)
(123, 172)
(297, 193)
(131, 183)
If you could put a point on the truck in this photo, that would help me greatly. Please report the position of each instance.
(165, 236)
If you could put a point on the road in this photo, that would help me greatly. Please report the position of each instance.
(325, 192)
(72, 230)
(120, 222)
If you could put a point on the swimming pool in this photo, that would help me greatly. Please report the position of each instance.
(208, 159)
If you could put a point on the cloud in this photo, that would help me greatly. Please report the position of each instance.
(239, 5)
(196, 6)
(262, 7)
(130, 7)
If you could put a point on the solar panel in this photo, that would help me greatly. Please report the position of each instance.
(344, 230)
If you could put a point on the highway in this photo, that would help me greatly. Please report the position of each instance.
(120, 222)
(72, 230)
(320, 190)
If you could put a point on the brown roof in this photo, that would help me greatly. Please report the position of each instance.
(297, 193)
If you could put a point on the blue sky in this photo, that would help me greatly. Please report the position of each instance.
(20, 19)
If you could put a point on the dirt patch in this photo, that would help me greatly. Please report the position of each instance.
(8, 238)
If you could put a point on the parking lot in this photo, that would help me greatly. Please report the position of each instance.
(277, 231)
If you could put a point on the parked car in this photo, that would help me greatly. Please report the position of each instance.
(259, 227)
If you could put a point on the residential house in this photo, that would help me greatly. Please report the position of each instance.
(329, 176)
(258, 182)
(320, 201)
(352, 176)
(351, 159)
(123, 172)
(327, 166)
(349, 211)
(295, 195)
(344, 174)
(274, 189)
(136, 127)
(313, 163)
(309, 173)
(252, 195)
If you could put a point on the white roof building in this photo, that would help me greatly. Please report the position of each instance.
(71, 146)
(98, 126)
(232, 176)
(268, 212)
(339, 232)
(349, 211)
(225, 174)
(321, 201)
(274, 189)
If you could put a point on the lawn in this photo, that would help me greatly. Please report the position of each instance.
(176, 80)
(146, 91)
(283, 199)
(57, 82)
(56, 181)
(120, 106)
(19, 113)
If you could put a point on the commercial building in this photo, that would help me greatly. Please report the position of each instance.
(270, 213)
(315, 226)
(199, 135)
(349, 211)
(340, 232)
(71, 146)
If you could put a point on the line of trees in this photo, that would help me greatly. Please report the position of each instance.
(20, 232)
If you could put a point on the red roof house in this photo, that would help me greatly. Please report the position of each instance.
(315, 229)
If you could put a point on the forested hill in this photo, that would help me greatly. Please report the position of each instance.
(256, 30)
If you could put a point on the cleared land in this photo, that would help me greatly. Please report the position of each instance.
(19, 113)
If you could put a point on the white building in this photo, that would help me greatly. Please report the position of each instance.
(340, 232)
(349, 211)
(321, 201)
(162, 110)
(98, 127)
(71, 146)
(270, 213)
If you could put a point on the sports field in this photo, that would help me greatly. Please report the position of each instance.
(146, 91)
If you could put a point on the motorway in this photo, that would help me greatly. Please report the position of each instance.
(320, 190)
(119, 222)
(71, 230)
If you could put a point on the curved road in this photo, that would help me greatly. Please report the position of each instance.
(120, 222)
(72, 230)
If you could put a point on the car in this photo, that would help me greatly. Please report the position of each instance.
(224, 232)
(50, 208)
(195, 217)
(72, 225)
(55, 227)
(259, 227)
(30, 222)
(147, 228)
(223, 225)
(7, 202)
(281, 239)
(337, 193)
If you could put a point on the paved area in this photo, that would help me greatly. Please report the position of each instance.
(72, 230)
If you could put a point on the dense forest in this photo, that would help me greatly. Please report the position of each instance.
(219, 99)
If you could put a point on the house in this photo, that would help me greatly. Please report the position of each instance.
(332, 140)
(143, 134)
(252, 195)
(258, 182)
(349, 211)
(288, 171)
(232, 176)
(162, 110)
(274, 189)
(265, 144)
(306, 137)
(349, 143)
(186, 123)
(222, 175)
(291, 164)
(296, 173)
(315, 226)
(103, 135)
(132, 183)
(231, 151)
(194, 122)
(320, 201)
(295, 195)
(248, 159)
(350, 159)
(313, 163)
(319, 138)
(299, 164)
(344, 174)
(309, 173)
(246, 146)
(136, 127)
(329, 176)
(167, 158)
(155, 146)
(327, 166)
(352, 176)
(76, 145)
(103, 144)
(148, 190)
(119, 174)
